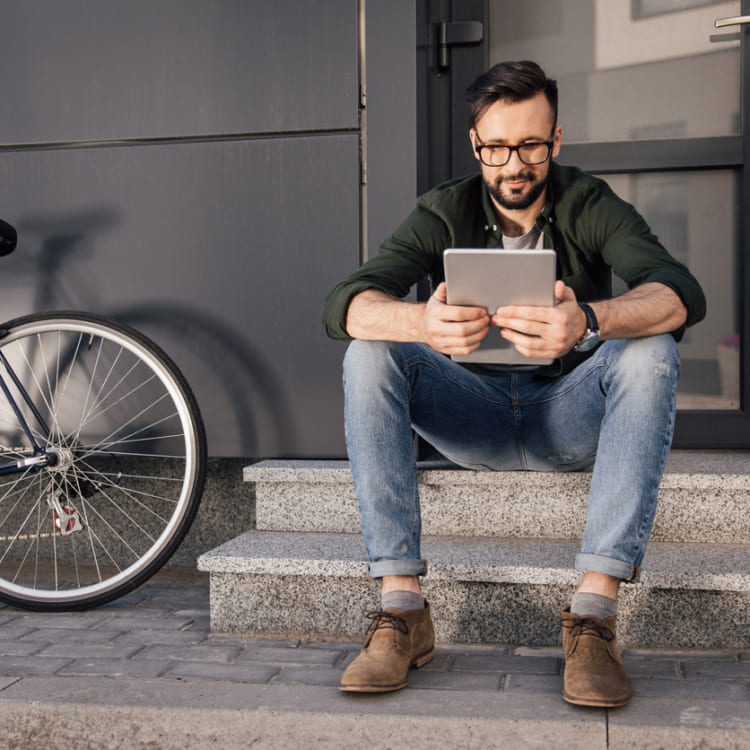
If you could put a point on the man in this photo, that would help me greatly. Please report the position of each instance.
(608, 399)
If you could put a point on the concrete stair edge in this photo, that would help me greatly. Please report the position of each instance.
(318, 496)
(728, 470)
(536, 562)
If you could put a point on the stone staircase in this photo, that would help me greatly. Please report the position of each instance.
(500, 547)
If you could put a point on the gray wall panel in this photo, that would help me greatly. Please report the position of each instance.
(82, 70)
(391, 117)
(219, 201)
(222, 252)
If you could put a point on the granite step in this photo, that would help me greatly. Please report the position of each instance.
(703, 498)
(314, 585)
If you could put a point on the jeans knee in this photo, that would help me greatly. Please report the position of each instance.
(652, 358)
(367, 362)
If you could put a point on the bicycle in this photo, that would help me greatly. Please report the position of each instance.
(102, 458)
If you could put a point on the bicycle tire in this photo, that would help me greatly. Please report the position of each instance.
(130, 449)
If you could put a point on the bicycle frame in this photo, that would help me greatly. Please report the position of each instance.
(41, 458)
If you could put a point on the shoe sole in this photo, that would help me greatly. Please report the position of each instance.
(594, 703)
(420, 661)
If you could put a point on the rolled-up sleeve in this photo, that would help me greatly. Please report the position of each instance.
(412, 252)
(635, 254)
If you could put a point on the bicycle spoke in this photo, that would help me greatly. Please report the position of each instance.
(125, 454)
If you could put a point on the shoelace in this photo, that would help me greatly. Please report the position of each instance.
(589, 626)
(382, 619)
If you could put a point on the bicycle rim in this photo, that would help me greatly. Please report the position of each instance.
(129, 449)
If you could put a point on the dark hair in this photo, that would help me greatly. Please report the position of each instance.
(510, 82)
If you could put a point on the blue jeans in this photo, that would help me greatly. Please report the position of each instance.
(615, 410)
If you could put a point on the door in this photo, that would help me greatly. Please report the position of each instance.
(652, 95)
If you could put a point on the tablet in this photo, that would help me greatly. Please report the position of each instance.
(491, 278)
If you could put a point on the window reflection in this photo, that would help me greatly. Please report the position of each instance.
(694, 216)
(625, 76)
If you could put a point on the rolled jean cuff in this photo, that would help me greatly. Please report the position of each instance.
(609, 566)
(383, 568)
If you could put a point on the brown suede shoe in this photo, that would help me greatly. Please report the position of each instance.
(395, 642)
(594, 672)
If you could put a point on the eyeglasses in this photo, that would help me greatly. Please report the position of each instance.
(536, 152)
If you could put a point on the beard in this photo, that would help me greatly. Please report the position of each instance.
(516, 199)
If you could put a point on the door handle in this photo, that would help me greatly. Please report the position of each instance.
(731, 21)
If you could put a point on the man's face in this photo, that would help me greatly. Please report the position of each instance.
(515, 185)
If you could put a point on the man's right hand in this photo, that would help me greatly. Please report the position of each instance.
(449, 329)
(453, 329)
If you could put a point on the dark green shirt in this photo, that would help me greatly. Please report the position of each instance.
(593, 232)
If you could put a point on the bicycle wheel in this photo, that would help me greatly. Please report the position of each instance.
(122, 464)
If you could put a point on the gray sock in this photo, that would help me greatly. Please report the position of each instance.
(403, 600)
(593, 604)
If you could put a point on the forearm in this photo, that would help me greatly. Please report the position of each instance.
(376, 316)
(646, 310)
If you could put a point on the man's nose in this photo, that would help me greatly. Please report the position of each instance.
(514, 163)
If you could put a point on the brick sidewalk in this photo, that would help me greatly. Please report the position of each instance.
(162, 631)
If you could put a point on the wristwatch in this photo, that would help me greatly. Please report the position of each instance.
(590, 337)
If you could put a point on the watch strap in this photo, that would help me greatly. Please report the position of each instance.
(591, 322)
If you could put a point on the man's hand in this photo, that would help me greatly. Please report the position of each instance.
(453, 329)
(544, 332)
(449, 329)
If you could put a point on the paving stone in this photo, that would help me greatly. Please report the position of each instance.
(678, 654)
(441, 662)
(61, 621)
(690, 689)
(133, 599)
(12, 632)
(534, 683)
(20, 648)
(426, 680)
(130, 622)
(309, 676)
(245, 642)
(154, 612)
(716, 670)
(6, 682)
(254, 673)
(290, 656)
(32, 665)
(90, 651)
(475, 649)
(117, 667)
(161, 637)
(553, 651)
(53, 635)
(203, 614)
(665, 668)
(482, 663)
(200, 623)
(220, 654)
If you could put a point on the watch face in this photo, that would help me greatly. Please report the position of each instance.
(590, 340)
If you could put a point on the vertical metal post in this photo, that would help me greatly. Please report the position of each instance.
(362, 25)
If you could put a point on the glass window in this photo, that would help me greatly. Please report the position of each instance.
(627, 70)
(694, 214)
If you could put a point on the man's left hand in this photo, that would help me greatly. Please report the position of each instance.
(544, 332)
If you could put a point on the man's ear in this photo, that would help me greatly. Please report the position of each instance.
(557, 137)
(474, 138)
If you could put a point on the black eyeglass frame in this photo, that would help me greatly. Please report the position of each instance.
(478, 148)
